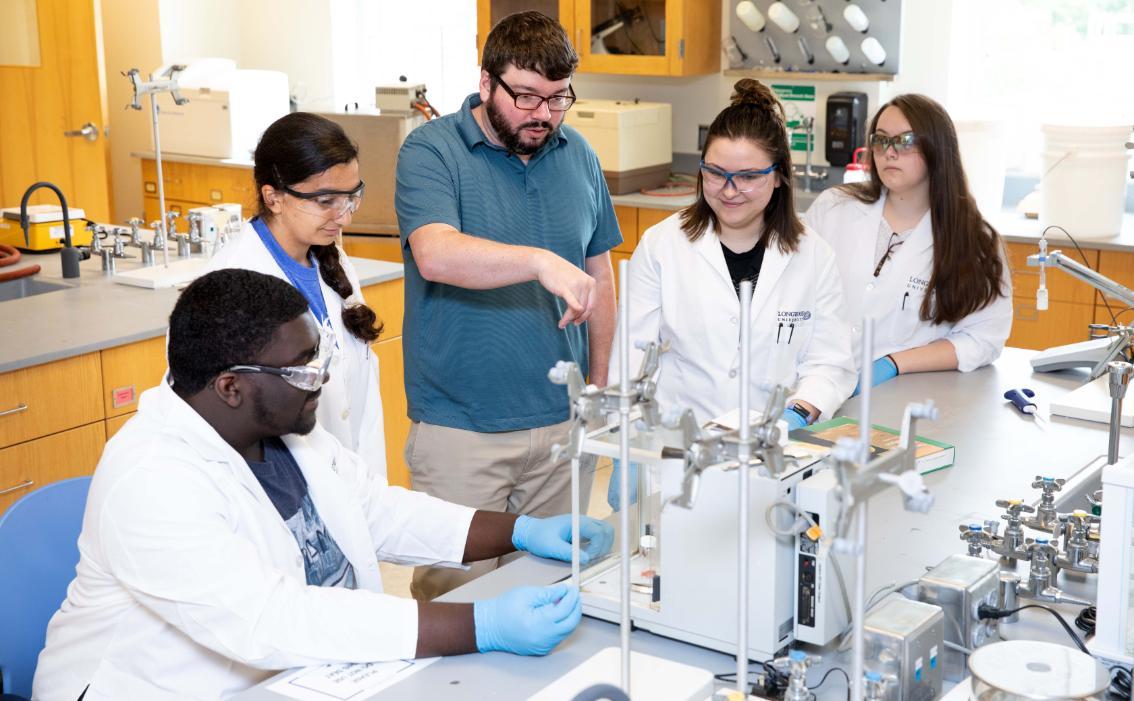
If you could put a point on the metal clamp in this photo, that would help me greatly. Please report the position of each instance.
(17, 410)
(22, 485)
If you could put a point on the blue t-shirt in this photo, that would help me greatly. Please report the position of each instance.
(478, 359)
(283, 481)
(305, 279)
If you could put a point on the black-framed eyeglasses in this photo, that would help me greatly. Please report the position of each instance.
(330, 203)
(530, 101)
(889, 252)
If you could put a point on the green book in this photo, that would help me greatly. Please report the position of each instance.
(931, 455)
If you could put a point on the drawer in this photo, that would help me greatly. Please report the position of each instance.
(49, 398)
(394, 412)
(222, 184)
(1061, 287)
(649, 217)
(1061, 323)
(181, 179)
(115, 424)
(129, 370)
(387, 299)
(29, 466)
(628, 225)
(1117, 266)
(388, 248)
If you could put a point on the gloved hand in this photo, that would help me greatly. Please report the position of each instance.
(793, 419)
(613, 490)
(883, 369)
(527, 620)
(551, 537)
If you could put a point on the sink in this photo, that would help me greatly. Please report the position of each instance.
(27, 287)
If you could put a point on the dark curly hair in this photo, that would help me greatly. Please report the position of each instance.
(223, 319)
(291, 150)
(530, 41)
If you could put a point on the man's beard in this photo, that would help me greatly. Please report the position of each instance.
(511, 137)
(302, 424)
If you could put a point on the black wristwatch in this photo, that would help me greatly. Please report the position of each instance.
(802, 411)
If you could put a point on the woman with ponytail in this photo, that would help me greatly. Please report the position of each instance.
(307, 179)
(686, 272)
(913, 250)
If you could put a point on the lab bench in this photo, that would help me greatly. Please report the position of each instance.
(74, 361)
(999, 452)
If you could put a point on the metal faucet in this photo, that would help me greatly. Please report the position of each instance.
(1012, 546)
(171, 224)
(808, 171)
(1041, 577)
(70, 255)
(1046, 518)
(977, 538)
(797, 663)
(1077, 555)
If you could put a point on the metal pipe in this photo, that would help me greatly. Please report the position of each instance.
(576, 506)
(624, 454)
(866, 380)
(160, 180)
(1077, 270)
(743, 453)
(1119, 373)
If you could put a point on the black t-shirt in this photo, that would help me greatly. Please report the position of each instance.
(744, 266)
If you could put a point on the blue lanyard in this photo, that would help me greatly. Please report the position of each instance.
(312, 293)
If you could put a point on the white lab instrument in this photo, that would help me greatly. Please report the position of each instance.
(822, 604)
(1038, 671)
(398, 99)
(1114, 630)
(633, 140)
(228, 109)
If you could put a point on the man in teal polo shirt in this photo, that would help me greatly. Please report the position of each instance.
(506, 226)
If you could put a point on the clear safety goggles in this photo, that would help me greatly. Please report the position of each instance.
(308, 377)
(331, 204)
(743, 180)
(902, 143)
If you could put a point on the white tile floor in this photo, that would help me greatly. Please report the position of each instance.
(396, 578)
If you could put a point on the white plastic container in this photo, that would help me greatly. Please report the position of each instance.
(985, 160)
(1086, 170)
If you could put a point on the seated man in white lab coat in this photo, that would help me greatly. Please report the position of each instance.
(227, 536)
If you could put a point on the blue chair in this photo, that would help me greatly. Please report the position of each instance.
(38, 554)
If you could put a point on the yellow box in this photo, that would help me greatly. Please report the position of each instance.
(45, 233)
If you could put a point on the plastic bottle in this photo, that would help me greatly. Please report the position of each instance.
(855, 171)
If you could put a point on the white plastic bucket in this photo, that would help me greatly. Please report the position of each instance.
(984, 159)
(1086, 169)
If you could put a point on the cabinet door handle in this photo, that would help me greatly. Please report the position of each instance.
(20, 409)
(22, 485)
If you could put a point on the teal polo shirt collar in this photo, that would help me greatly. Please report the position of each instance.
(472, 134)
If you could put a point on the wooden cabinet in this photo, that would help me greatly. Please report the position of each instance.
(655, 37)
(387, 248)
(649, 217)
(190, 185)
(129, 370)
(45, 399)
(628, 226)
(387, 299)
(115, 424)
(28, 466)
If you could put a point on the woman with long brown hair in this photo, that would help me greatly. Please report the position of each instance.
(914, 252)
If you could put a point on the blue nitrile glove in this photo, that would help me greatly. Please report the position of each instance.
(613, 490)
(527, 620)
(794, 420)
(551, 537)
(883, 369)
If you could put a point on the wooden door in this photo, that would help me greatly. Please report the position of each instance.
(62, 91)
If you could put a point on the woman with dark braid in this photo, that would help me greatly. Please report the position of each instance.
(308, 185)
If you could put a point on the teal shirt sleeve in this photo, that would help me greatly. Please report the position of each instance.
(425, 191)
(607, 234)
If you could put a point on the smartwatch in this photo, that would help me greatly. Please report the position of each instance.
(801, 411)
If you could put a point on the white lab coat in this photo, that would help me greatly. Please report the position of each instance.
(190, 585)
(350, 407)
(894, 298)
(682, 293)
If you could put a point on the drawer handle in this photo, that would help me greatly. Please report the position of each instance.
(20, 409)
(22, 485)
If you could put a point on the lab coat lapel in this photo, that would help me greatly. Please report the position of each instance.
(340, 510)
(771, 270)
(709, 248)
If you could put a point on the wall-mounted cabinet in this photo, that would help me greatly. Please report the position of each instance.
(652, 37)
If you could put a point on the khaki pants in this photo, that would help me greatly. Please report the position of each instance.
(511, 471)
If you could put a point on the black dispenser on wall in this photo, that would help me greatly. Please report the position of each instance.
(846, 126)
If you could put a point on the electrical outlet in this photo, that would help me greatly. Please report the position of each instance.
(702, 134)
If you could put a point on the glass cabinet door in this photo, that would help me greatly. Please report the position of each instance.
(624, 36)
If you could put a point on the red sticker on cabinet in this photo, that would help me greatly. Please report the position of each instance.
(122, 396)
